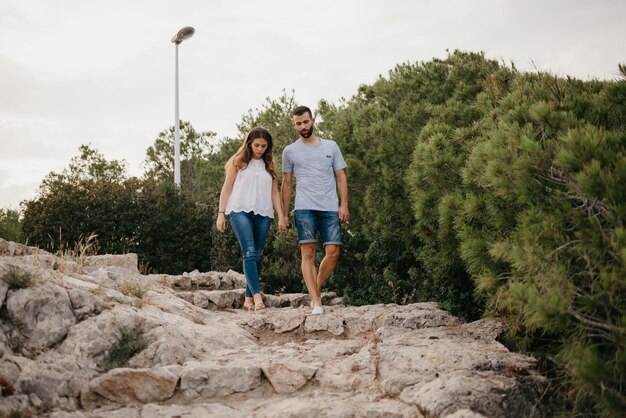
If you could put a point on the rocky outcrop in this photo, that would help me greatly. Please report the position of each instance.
(95, 338)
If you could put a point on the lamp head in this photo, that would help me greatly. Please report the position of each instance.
(184, 33)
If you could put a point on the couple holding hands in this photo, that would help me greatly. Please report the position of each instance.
(250, 195)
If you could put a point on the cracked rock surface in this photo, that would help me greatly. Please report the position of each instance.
(190, 350)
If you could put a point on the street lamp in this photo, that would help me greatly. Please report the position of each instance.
(184, 33)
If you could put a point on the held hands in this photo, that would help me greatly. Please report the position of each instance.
(283, 224)
(220, 223)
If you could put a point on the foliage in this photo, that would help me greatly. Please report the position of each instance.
(387, 257)
(80, 250)
(17, 278)
(132, 288)
(541, 228)
(129, 343)
(515, 204)
(275, 116)
(10, 228)
(196, 149)
(171, 232)
(89, 165)
(165, 228)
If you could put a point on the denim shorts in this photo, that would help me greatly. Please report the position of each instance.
(310, 222)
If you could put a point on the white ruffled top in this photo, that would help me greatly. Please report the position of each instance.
(252, 190)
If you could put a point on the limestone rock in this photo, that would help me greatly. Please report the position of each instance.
(4, 288)
(420, 315)
(56, 380)
(329, 323)
(211, 379)
(16, 406)
(135, 385)
(316, 406)
(232, 280)
(214, 299)
(9, 248)
(126, 261)
(347, 364)
(438, 362)
(190, 351)
(387, 408)
(42, 314)
(202, 410)
(93, 338)
(280, 321)
(288, 376)
(84, 303)
(465, 413)
(484, 393)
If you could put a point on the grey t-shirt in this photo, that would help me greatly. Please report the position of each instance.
(314, 167)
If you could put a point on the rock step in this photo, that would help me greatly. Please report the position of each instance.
(253, 380)
(340, 321)
(212, 280)
(234, 299)
(414, 364)
(418, 359)
(62, 332)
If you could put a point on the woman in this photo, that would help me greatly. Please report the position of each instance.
(249, 189)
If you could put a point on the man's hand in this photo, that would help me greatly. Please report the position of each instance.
(342, 186)
(344, 214)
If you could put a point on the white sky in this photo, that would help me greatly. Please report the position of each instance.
(101, 72)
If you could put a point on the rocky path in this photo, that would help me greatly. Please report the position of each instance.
(192, 352)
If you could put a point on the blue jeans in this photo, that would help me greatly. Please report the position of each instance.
(251, 231)
(310, 222)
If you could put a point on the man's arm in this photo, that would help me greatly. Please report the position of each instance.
(342, 186)
(285, 192)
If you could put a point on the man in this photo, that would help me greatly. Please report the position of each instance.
(319, 169)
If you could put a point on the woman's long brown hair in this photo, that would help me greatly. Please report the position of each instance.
(244, 154)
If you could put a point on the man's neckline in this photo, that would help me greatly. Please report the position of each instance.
(312, 144)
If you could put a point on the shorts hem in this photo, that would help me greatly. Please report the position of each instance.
(333, 243)
(307, 241)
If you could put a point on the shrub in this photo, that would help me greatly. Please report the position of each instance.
(16, 278)
(10, 228)
(130, 343)
(132, 288)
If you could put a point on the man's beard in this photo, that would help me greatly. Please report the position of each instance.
(306, 133)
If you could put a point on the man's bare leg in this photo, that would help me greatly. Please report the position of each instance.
(327, 266)
(309, 273)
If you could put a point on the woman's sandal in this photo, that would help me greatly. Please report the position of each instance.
(248, 306)
(259, 306)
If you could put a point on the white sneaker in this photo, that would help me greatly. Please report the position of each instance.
(318, 310)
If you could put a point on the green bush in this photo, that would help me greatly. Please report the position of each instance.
(17, 278)
(395, 251)
(166, 230)
(10, 229)
(541, 230)
(129, 343)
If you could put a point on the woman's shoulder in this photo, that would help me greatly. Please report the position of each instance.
(235, 164)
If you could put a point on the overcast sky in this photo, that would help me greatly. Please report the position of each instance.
(101, 72)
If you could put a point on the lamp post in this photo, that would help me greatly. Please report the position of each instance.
(184, 33)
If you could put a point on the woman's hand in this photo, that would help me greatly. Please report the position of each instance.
(283, 224)
(220, 223)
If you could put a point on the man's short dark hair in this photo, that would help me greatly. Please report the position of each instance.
(301, 110)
